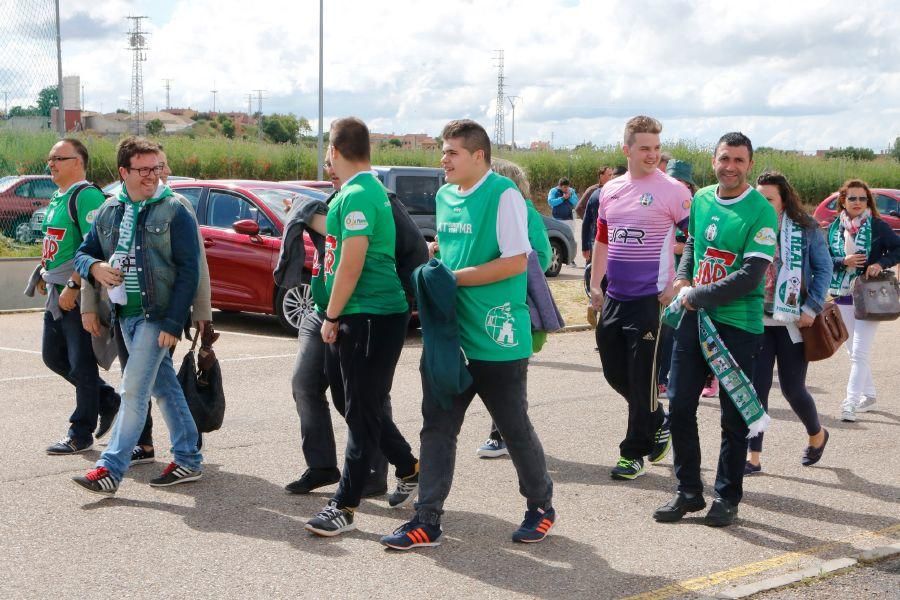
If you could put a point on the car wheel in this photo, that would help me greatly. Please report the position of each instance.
(23, 233)
(558, 256)
(292, 305)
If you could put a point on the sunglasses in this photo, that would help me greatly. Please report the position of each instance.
(856, 199)
(56, 159)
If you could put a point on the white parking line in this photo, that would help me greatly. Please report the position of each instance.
(257, 335)
(20, 350)
(117, 370)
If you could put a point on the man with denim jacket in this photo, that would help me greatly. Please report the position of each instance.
(143, 248)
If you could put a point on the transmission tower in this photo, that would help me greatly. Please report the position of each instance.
(249, 105)
(137, 43)
(499, 134)
(512, 104)
(259, 121)
(168, 83)
(214, 92)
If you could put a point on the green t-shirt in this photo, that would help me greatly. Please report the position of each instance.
(494, 323)
(725, 232)
(61, 238)
(537, 235)
(362, 207)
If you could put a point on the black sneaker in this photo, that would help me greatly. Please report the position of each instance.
(140, 456)
(662, 443)
(628, 468)
(68, 445)
(331, 521)
(174, 474)
(413, 534)
(677, 507)
(107, 420)
(313, 479)
(407, 488)
(721, 514)
(536, 526)
(98, 481)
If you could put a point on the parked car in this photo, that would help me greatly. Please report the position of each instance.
(316, 184)
(887, 201)
(20, 196)
(416, 187)
(242, 222)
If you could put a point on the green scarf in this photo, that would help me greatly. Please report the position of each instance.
(843, 278)
(723, 366)
(787, 283)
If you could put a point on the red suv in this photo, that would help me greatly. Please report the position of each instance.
(242, 223)
(20, 196)
(887, 201)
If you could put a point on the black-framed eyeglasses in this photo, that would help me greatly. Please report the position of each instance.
(56, 159)
(857, 199)
(144, 171)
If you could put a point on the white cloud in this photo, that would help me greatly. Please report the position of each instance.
(800, 75)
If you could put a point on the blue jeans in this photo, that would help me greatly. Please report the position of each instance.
(149, 369)
(67, 351)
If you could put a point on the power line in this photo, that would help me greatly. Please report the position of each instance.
(137, 42)
(499, 134)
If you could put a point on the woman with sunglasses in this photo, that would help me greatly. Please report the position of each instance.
(794, 293)
(860, 243)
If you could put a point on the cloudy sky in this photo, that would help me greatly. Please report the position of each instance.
(794, 75)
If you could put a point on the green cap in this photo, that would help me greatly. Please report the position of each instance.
(680, 170)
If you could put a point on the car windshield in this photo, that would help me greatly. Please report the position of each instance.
(281, 200)
(7, 182)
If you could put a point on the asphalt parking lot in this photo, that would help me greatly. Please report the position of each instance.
(236, 534)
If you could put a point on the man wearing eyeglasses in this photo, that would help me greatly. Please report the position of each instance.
(143, 248)
(66, 346)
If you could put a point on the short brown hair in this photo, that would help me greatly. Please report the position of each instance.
(350, 137)
(508, 168)
(602, 170)
(857, 183)
(473, 136)
(133, 146)
(640, 124)
(80, 149)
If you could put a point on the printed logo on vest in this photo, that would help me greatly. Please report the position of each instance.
(501, 326)
(355, 221)
(330, 245)
(711, 232)
(646, 199)
(713, 266)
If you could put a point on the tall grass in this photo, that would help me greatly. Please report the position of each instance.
(215, 158)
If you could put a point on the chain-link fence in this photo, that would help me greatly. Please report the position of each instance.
(28, 92)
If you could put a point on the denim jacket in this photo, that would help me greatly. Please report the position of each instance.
(817, 269)
(166, 252)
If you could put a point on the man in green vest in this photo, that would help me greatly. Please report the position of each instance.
(482, 234)
(66, 347)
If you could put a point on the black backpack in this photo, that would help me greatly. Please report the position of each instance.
(410, 250)
(73, 204)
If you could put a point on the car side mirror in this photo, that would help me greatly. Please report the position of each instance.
(246, 227)
(894, 213)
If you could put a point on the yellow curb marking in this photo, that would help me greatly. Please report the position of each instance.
(713, 579)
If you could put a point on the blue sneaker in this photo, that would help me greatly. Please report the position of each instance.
(492, 448)
(536, 526)
(413, 534)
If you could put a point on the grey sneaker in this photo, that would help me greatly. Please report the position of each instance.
(866, 404)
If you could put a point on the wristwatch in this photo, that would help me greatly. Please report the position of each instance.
(72, 285)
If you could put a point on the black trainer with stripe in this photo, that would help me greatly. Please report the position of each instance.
(331, 521)
(175, 474)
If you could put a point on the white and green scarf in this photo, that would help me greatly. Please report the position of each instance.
(786, 307)
(848, 236)
(723, 365)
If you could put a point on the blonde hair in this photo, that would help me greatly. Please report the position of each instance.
(507, 168)
(640, 124)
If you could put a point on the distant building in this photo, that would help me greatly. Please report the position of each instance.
(117, 123)
(408, 141)
(539, 146)
(72, 92)
(188, 113)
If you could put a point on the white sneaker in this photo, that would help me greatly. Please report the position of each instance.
(848, 415)
(866, 404)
